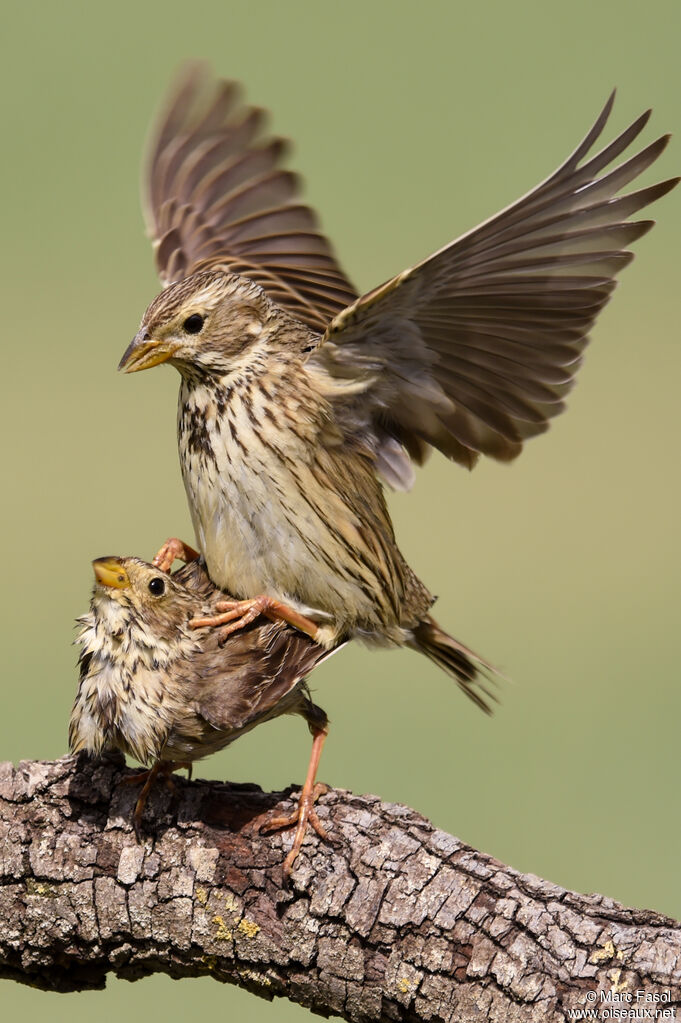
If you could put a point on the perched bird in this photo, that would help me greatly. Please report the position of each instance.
(297, 396)
(168, 695)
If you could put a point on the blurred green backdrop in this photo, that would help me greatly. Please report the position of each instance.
(411, 123)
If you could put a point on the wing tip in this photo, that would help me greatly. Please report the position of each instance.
(609, 103)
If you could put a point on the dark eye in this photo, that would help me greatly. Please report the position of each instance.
(193, 324)
(157, 586)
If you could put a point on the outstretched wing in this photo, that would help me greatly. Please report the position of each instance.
(473, 350)
(214, 193)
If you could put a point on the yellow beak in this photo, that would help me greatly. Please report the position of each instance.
(143, 352)
(110, 572)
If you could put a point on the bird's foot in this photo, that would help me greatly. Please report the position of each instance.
(174, 549)
(233, 615)
(237, 614)
(304, 815)
(147, 779)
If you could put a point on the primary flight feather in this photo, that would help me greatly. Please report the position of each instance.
(297, 395)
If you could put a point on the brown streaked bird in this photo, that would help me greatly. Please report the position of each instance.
(297, 397)
(167, 695)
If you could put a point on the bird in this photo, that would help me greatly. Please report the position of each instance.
(168, 695)
(300, 399)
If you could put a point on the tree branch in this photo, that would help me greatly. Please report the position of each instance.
(397, 921)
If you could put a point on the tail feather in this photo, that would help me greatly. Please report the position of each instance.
(473, 674)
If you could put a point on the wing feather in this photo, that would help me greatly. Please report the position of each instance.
(214, 194)
(473, 350)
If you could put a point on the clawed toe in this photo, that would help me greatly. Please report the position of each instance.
(304, 815)
(172, 550)
(164, 768)
(237, 614)
(234, 615)
(139, 778)
(163, 560)
(281, 823)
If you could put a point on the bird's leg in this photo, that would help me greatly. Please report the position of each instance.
(171, 550)
(305, 813)
(240, 613)
(164, 767)
(148, 777)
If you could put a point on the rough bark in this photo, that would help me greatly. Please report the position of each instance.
(395, 921)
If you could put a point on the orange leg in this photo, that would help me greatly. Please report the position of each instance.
(162, 767)
(174, 549)
(305, 813)
(240, 613)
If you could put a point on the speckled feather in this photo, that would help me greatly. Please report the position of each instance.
(284, 430)
(156, 689)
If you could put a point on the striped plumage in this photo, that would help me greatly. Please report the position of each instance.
(213, 188)
(296, 395)
(265, 444)
(155, 689)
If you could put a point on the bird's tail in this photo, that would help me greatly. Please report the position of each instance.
(473, 674)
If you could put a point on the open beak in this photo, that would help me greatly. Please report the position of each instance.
(143, 352)
(110, 572)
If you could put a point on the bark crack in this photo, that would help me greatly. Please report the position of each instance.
(393, 921)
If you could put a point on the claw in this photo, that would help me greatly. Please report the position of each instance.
(147, 779)
(237, 614)
(173, 549)
(305, 813)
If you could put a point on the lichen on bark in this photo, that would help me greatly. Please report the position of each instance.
(393, 921)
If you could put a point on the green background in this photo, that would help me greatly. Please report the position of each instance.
(411, 123)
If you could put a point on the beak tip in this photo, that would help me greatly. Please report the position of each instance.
(143, 352)
(127, 354)
(111, 572)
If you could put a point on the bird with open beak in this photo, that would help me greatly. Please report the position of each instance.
(167, 695)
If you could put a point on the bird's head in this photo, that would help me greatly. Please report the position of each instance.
(131, 592)
(208, 324)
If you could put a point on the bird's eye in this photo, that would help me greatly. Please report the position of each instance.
(157, 586)
(193, 323)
